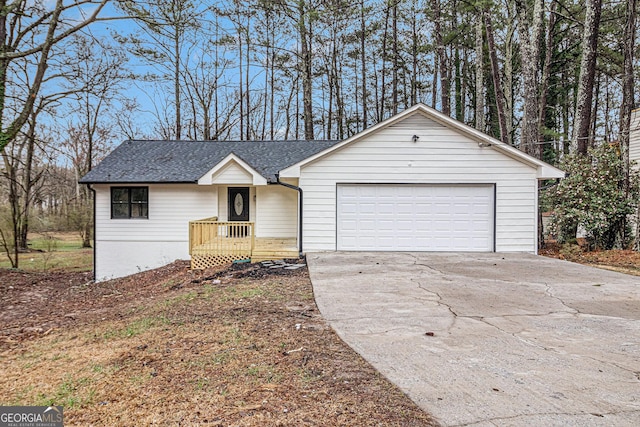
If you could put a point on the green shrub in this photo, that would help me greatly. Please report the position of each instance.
(594, 197)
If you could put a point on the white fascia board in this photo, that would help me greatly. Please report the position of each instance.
(207, 178)
(543, 170)
(550, 172)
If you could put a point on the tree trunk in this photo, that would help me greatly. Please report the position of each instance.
(247, 82)
(241, 88)
(383, 83)
(584, 99)
(415, 49)
(495, 74)
(176, 82)
(363, 64)
(546, 72)
(434, 83)
(27, 184)
(507, 72)
(216, 112)
(458, 85)
(337, 72)
(394, 71)
(530, 31)
(304, 27)
(442, 59)
(267, 74)
(10, 242)
(272, 97)
(479, 66)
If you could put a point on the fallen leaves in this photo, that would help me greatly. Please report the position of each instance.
(622, 261)
(244, 345)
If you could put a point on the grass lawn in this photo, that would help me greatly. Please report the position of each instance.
(53, 252)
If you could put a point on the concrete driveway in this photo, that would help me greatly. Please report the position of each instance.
(491, 339)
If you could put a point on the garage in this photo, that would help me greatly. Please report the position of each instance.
(420, 181)
(416, 217)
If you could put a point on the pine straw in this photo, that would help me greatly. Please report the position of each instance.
(242, 346)
(622, 261)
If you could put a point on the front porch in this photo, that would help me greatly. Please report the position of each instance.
(213, 242)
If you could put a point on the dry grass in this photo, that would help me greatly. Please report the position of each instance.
(244, 347)
(56, 251)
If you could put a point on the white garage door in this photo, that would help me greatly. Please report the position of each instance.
(384, 217)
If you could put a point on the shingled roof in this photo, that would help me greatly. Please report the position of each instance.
(137, 161)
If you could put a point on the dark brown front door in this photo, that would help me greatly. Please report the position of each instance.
(238, 204)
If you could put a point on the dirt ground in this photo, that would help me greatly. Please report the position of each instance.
(622, 261)
(243, 346)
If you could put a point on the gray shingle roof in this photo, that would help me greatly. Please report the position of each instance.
(138, 161)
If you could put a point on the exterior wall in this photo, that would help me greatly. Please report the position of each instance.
(441, 155)
(276, 212)
(127, 246)
(634, 138)
(233, 173)
(634, 156)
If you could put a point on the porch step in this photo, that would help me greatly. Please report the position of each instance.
(274, 248)
(270, 242)
(265, 255)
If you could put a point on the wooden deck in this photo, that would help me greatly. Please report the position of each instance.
(274, 248)
(213, 242)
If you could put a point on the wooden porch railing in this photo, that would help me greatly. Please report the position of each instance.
(213, 242)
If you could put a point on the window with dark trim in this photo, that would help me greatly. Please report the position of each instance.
(129, 202)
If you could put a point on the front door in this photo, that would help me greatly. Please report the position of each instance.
(238, 203)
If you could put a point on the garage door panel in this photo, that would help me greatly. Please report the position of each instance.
(367, 208)
(365, 225)
(386, 217)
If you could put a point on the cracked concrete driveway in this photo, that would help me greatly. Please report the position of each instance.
(491, 339)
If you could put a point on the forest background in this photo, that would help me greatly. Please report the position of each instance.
(555, 78)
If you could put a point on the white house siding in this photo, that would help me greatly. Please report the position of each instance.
(440, 156)
(634, 140)
(276, 212)
(634, 155)
(233, 173)
(126, 246)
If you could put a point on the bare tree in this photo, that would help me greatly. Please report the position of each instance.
(97, 74)
(30, 30)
